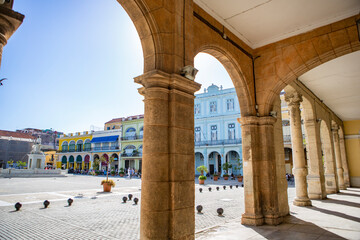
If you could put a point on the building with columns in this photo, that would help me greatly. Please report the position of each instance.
(217, 132)
(265, 46)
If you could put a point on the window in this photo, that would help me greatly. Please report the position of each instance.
(197, 134)
(231, 131)
(213, 133)
(230, 104)
(213, 107)
(197, 109)
(108, 128)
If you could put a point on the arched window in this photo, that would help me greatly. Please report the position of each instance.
(79, 145)
(87, 145)
(129, 149)
(130, 133)
(64, 147)
(72, 146)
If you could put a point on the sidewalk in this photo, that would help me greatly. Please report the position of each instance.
(338, 217)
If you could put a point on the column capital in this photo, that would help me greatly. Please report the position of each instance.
(254, 120)
(293, 98)
(159, 79)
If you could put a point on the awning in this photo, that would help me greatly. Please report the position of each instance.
(104, 139)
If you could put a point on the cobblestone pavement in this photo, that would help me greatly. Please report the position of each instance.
(94, 214)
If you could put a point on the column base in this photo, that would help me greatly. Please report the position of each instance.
(302, 202)
(273, 219)
(342, 187)
(331, 191)
(316, 196)
(252, 220)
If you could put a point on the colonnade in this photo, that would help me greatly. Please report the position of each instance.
(324, 170)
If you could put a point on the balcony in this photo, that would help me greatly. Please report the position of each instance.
(135, 154)
(132, 137)
(218, 142)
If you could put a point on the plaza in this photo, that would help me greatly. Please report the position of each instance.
(98, 215)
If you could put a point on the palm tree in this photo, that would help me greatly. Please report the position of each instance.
(201, 169)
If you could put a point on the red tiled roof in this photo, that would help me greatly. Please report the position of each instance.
(126, 118)
(15, 134)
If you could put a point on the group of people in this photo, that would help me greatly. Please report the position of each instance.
(290, 177)
(131, 172)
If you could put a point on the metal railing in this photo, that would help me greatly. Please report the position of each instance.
(219, 142)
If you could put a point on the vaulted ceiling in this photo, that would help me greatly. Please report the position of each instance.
(261, 22)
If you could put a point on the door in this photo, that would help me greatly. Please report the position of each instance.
(212, 169)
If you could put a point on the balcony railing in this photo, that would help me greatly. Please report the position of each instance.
(136, 154)
(135, 137)
(218, 142)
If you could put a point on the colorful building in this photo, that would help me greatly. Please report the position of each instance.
(217, 131)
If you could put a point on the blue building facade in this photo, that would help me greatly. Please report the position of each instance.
(217, 131)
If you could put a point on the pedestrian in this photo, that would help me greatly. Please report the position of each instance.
(129, 172)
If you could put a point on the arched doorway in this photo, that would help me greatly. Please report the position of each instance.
(71, 162)
(64, 163)
(233, 158)
(79, 164)
(87, 162)
(215, 161)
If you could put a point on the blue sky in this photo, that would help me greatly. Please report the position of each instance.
(71, 65)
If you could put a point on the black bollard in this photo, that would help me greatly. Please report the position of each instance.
(199, 208)
(217, 188)
(200, 189)
(124, 199)
(46, 203)
(70, 201)
(18, 206)
(130, 196)
(220, 211)
(136, 200)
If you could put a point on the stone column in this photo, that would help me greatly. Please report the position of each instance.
(280, 160)
(206, 160)
(316, 178)
(339, 169)
(168, 186)
(9, 22)
(300, 172)
(260, 179)
(344, 162)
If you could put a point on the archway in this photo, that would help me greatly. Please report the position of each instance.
(215, 161)
(71, 162)
(233, 158)
(79, 164)
(64, 163)
(87, 162)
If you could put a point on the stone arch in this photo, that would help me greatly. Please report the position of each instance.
(146, 27)
(328, 158)
(293, 65)
(235, 72)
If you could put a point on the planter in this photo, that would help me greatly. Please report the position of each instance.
(121, 175)
(201, 181)
(240, 179)
(226, 178)
(112, 175)
(107, 187)
(216, 178)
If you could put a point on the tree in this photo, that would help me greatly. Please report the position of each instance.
(238, 165)
(201, 169)
(21, 164)
(226, 166)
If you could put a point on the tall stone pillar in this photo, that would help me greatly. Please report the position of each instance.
(206, 159)
(168, 186)
(344, 162)
(293, 100)
(259, 162)
(339, 169)
(315, 178)
(280, 160)
(9, 23)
